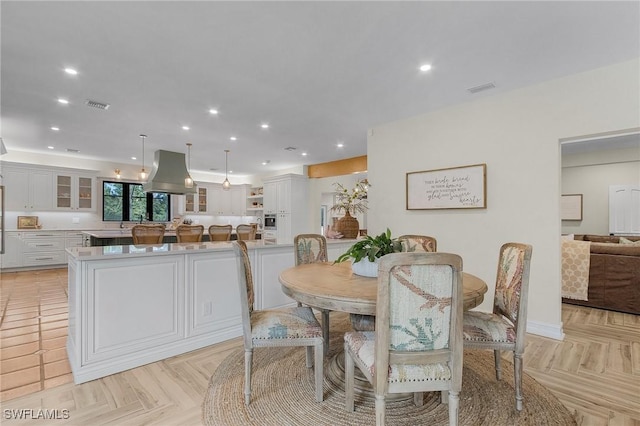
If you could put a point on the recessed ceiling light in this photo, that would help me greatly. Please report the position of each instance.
(264, 163)
(304, 154)
(63, 101)
(134, 158)
(213, 111)
(264, 125)
(71, 71)
(340, 145)
(185, 127)
(233, 138)
(50, 147)
(54, 128)
(425, 67)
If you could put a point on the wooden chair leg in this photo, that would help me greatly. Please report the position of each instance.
(325, 330)
(309, 356)
(318, 370)
(248, 359)
(349, 378)
(498, 360)
(517, 374)
(380, 410)
(418, 398)
(454, 404)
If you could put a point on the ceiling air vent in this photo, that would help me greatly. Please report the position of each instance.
(481, 88)
(72, 150)
(290, 148)
(96, 104)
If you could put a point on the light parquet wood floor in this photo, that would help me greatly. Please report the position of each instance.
(595, 372)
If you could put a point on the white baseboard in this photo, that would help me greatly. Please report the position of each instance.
(553, 331)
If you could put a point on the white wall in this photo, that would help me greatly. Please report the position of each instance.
(591, 174)
(517, 135)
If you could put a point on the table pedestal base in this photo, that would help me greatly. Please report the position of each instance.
(335, 375)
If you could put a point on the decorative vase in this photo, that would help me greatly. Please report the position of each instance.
(348, 226)
(365, 267)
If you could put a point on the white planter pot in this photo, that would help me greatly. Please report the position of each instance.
(365, 268)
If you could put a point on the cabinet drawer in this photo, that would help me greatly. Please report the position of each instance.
(37, 245)
(44, 258)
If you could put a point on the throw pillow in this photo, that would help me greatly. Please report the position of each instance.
(624, 240)
(568, 237)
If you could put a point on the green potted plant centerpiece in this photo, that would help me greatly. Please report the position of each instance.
(365, 253)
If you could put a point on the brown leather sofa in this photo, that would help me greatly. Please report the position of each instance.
(614, 274)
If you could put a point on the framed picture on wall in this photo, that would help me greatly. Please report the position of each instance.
(571, 207)
(462, 187)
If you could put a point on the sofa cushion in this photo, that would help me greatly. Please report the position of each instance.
(615, 249)
(624, 240)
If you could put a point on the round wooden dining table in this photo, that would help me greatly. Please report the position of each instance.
(335, 287)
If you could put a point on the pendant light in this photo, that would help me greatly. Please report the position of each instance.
(226, 185)
(188, 182)
(143, 173)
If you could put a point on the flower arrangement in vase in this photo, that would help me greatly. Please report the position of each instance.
(350, 201)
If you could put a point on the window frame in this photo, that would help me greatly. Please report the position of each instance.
(126, 202)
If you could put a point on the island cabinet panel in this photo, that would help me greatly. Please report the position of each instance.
(269, 264)
(213, 294)
(150, 313)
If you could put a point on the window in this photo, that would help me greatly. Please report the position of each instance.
(123, 201)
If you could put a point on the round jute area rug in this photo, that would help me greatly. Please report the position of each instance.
(283, 394)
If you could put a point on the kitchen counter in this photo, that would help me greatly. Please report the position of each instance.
(131, 305)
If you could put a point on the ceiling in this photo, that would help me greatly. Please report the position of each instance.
(318, 73)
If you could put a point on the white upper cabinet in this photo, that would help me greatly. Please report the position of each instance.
(75, 192)
(27, 189)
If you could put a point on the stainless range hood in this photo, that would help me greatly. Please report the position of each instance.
(169, 173)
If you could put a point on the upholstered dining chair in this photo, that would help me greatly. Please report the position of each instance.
(245, 232)
(220, 232)
(417, 344)
(505, 328)
(418, 243)
(189, 233)
(312, 248)
(296, 326)
(148, 233)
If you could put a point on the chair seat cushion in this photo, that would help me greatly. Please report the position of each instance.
(486, 327)
(288, 323)
(362, 344)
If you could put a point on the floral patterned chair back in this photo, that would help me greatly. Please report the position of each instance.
(505, 328)
(417, 342)
(510, 280)
(412, 243)
(189, 233)
(220, 232)
(310, 248)
(289, 326)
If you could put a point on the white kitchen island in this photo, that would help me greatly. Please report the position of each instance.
(132, 305)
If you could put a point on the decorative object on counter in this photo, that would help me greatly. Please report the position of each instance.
(187, 221)
(354, 201)
(188, 181)
(226, 185)
(366, 252)
(220, 232)
(27, 222)
(143, 173)
(330, 233)
(189, 233)
(148, 234)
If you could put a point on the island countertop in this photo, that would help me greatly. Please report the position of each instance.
(144, 250)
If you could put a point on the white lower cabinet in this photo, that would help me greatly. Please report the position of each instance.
(135, 309)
